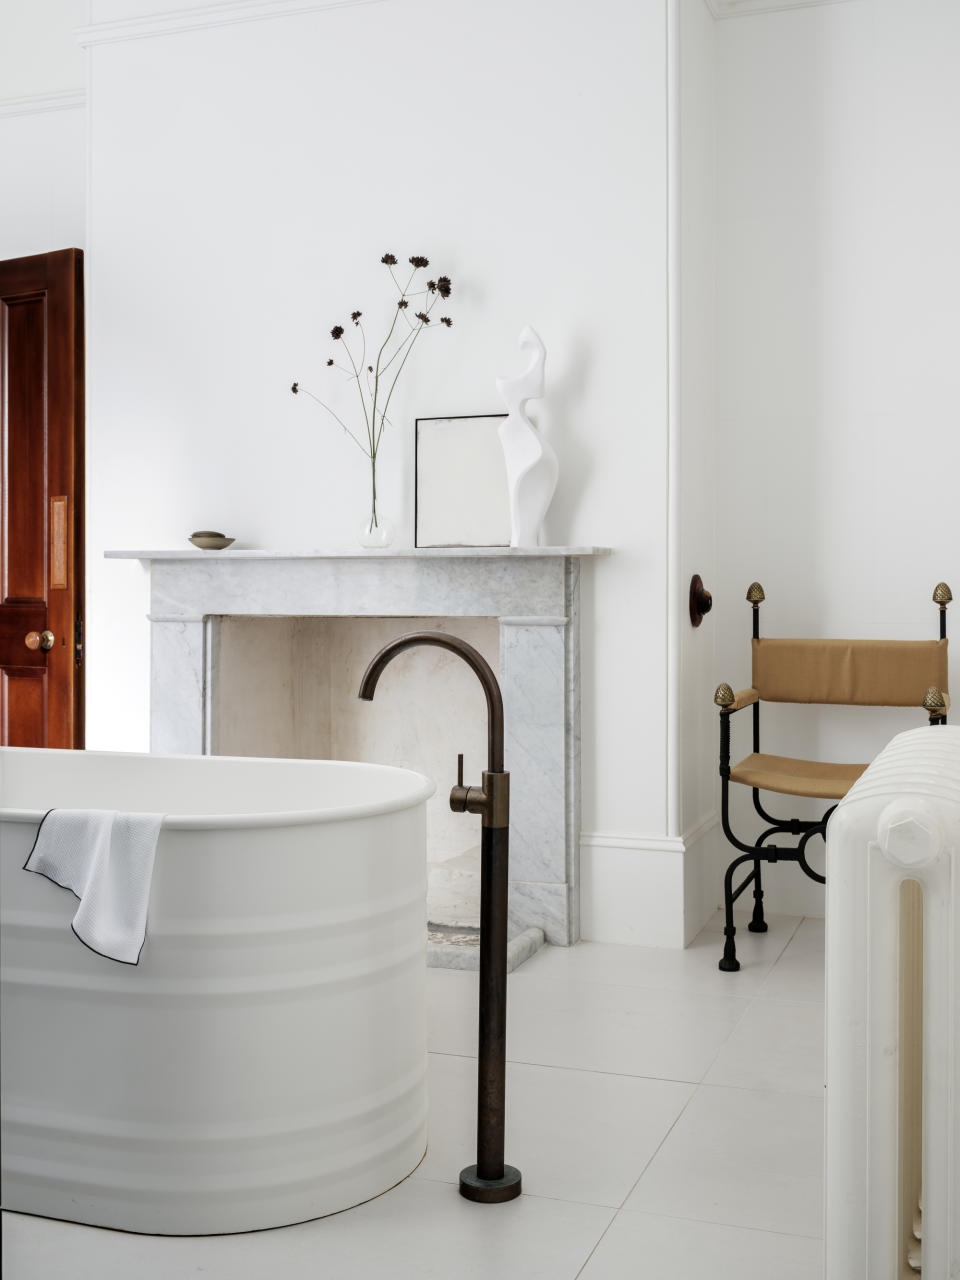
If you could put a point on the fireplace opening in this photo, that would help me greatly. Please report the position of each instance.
(287, 686)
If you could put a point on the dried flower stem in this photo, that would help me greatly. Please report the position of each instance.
(303, 390)
(386, 406)
(371, 380)
(363, 401)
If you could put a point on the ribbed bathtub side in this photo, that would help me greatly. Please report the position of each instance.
(266, 1061)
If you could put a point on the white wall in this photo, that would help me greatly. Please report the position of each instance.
(246, 180)
(38, 54)
(44, 180)
(838, 310)
(42, 128)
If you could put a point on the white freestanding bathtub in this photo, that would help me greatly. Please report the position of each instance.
(265, 1063)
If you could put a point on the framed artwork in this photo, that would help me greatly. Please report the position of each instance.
(461, 483)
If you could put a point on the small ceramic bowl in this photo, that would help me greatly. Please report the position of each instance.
(208, 540)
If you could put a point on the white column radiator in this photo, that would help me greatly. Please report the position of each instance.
(893, 1016)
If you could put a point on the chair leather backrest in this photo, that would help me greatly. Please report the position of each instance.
(870, 673)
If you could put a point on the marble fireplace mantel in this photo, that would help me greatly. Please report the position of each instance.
(534, 593)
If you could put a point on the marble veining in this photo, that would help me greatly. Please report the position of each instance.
(447, 949)
(373, 588)
(532, 680)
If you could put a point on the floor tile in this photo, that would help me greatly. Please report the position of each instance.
(419, 1231)
(634, 1031)
(812, 927)
(588, 1026)
(574, 1135)
(743, 1158)
(638, 1246)
(692, 969)
(798, 972)
(778, 1045)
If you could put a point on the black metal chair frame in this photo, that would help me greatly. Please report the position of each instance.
(805, 828)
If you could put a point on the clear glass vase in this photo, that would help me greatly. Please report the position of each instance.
(376, 531)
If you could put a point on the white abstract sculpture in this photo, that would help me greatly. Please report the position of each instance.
(532, 467)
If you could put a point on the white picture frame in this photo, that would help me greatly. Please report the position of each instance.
(461, 497)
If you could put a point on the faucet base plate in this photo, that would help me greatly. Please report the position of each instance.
(490, 1190)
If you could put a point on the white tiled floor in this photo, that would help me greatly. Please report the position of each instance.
(667, 1119)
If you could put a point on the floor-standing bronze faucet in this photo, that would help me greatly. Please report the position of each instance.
(489, 1180)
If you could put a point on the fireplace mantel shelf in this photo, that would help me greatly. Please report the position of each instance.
(389, 553)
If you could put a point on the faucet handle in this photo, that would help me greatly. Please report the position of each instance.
(491, 799)
(459, 794)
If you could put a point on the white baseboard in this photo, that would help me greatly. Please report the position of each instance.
(644, 891)
(631, 895)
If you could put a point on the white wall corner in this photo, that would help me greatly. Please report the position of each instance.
(213, 15)
(673, 476)
(38, 103)
(700, 883)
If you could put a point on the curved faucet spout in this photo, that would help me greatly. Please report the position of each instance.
(472, 658)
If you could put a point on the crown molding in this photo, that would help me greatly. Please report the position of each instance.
(37, 103)
(746, 8)
(213, 15)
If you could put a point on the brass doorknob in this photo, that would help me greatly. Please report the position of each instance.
(40, 640)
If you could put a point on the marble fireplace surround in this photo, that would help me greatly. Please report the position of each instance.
(535, 595)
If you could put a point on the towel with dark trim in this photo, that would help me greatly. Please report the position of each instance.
(105, 858)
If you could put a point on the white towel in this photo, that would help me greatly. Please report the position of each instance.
(106, 859)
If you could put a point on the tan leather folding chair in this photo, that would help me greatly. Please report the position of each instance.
(870, 673)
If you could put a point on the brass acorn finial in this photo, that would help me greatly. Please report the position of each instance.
(724, 697)
(755, 594)
(942, 594)
(933, 700)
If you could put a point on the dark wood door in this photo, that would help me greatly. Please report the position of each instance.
(41, 500)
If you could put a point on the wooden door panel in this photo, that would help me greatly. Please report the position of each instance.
(22, 326)
(23, 706)
(17, 621)
(41, 497)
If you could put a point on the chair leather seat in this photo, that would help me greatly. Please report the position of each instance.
(797, 777)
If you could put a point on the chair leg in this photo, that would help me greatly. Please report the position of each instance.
(757, 924)
(729, 963)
